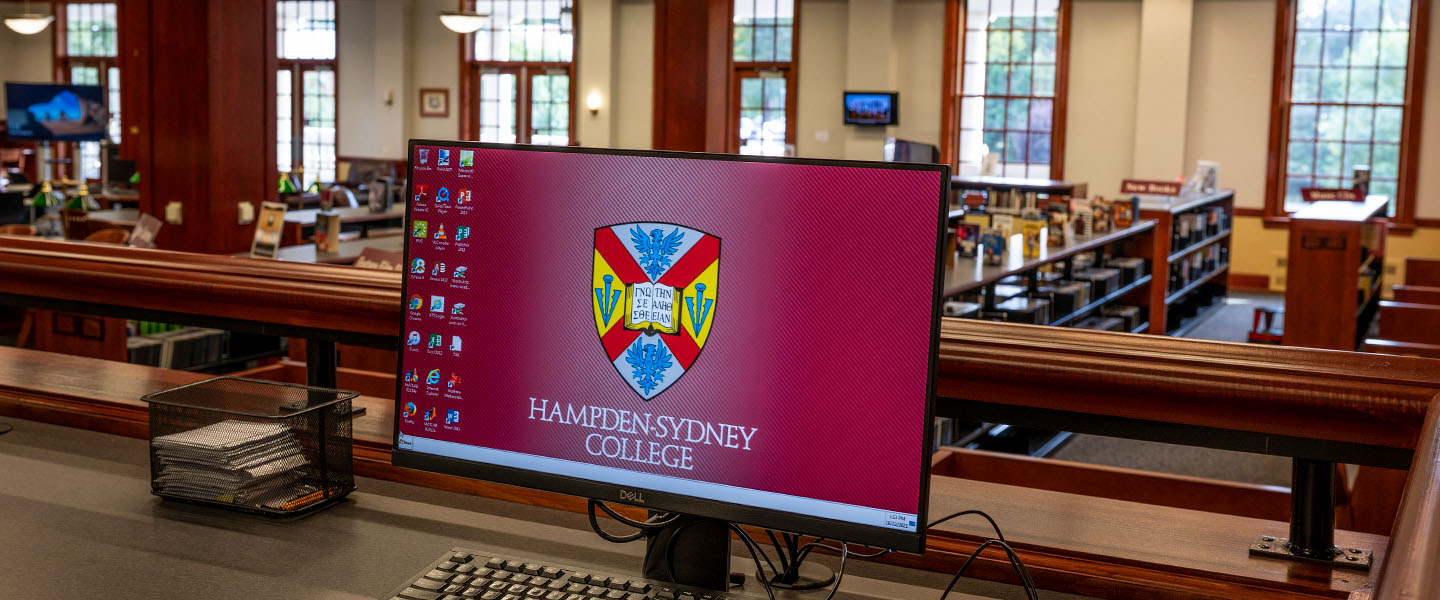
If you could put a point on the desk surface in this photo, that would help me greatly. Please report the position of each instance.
(79, 498)
(116, 216)
(349, 250)
(357, 214)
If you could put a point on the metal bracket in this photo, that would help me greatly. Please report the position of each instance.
(1339, 557)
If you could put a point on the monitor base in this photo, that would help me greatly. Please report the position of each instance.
(5, 428)
(691, 551)
(811, 576)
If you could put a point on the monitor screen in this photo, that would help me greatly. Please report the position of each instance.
(55, 112)
(872, 108)
(898, 150)
(708, 334)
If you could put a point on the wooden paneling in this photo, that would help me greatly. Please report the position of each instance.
(1382, 346)
(692, 64)
(1415, 294)
(1422, 271)
(79, 335)
(1406, 322)
(368, 383)
(1413, 569)
(207, 131)
(1249, 282)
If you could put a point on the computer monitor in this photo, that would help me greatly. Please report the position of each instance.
(743, 339)
(55, 112)
(898, 150)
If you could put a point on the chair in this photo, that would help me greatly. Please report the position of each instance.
(109, 236)
(17, 230)
(12, 160)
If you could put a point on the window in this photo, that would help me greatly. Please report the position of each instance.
(763, 54)
(1012, 86)
(305, 89)
(517, 79)
(89, 55)
(1344, 99)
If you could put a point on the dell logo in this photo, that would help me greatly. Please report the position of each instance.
(635, 497)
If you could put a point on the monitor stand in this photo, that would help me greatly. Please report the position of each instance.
(698, 550)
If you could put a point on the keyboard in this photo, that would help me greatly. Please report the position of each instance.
(465, 575)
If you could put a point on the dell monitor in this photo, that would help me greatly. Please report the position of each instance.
(55, 112)
(744, 339)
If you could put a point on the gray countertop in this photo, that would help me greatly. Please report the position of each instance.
(79, 521)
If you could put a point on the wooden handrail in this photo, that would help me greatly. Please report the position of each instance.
(1412, 571)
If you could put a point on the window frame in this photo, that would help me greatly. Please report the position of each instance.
(739, 70)
(62, 65)
(953, 82)
(297, 68)
(468, 126)
(1283, 69)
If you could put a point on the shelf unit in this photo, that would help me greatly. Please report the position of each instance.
(1335, 269)
(1213, 285)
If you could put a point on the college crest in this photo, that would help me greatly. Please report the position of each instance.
(654, 291)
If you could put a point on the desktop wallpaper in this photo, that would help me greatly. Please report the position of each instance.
(758, 325)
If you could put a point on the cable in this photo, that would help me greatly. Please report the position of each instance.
(646, 528)
(1020, 572)
(755, 553)
(993, 525)
(839, 576)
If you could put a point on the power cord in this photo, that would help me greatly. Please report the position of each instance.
(1021, 571)
(654, 523)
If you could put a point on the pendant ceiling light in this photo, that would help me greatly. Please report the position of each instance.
(463, 21)
(28, 23)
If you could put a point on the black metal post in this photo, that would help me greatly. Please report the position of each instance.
(320, 363)
(1312, 509)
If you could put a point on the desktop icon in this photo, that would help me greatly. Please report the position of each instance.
(417, 266)
(438, 270)
(462, 197)
(416, 302)
(419, 228)
(433, 378)
(444, 158)
(412, 377)
(458, 308)
(459, 271)
(454, 380)
(442, 195)
(437, 304)
(430, 414)
(414, 339)
(467, 158)
(420, 194)
(650, 364)
(410, 409)
(462, 233)
(440, 231)
(452, 417)
(435, 340)
(454, 343)
(424, 155)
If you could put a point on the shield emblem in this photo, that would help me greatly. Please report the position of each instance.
(654, 290)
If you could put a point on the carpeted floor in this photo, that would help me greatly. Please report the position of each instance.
(1230, 323)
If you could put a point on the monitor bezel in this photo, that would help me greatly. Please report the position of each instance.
(869, 535)
(894, 108)
(104, 132)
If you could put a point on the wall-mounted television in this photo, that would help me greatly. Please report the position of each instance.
(872, 108)
(57, 112)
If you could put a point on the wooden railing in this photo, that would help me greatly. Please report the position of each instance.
(1316, 404)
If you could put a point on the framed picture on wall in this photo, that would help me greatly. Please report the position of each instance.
(434, 102)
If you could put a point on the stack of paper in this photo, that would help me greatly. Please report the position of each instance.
(233, 461)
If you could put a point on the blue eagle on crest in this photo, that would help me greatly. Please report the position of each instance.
(655, 249)
(648, 364)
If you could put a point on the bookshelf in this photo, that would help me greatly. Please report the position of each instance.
(1334, 273)
(1192, 258)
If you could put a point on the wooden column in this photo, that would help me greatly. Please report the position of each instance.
(692, 75)
(199, 98)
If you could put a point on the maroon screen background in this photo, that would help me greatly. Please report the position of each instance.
(822, 321)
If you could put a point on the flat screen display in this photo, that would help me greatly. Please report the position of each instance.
(872, 108)
(745, 339)
(55, 112)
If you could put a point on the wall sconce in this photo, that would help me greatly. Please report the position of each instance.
(593, 101)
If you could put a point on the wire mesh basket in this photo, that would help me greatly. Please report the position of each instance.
(258, 446)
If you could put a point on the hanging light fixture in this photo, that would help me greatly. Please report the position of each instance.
(28, 23)
(463, 21)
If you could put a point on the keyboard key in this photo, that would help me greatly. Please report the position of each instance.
(471, 593)
(617, 583)
(575, 588)
(535, 592)
(635, 596)
(460, 557)
(460, 579)
(531, 569)
(454, 589)
(577, 597)
(429, 585)
(616, 595)
(484, 572)
(447, 566)
(465, 568)
(555, 595)
(500, 575)
(517, 588)
(497, 585)
(595, 590)
(414, 594)
(511, 597)
(452, 597)
(514, 566)
(489, 595)
(551, 572)
(495, 563)
(538, 580)
(438, 575)
(662, 591)
(580, 577)
(685, 596)
(638, 587)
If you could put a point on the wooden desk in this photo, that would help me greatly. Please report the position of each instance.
(123, 218)
(349, 250)
(300, 224)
